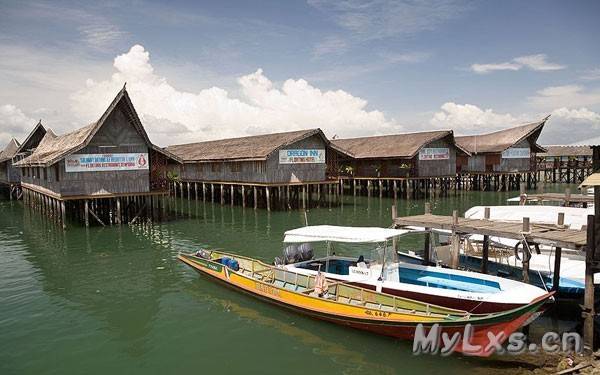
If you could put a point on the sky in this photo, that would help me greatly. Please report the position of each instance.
(206, 70)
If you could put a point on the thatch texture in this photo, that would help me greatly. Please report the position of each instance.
(257, 147)
(499, 141)
(53, 148)
(388, 146)
(9, 151)
(559, 151)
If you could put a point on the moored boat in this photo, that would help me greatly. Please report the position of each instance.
(474, 292)
(358, 307)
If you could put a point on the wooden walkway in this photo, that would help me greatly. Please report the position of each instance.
(539, 233)
(560, 198)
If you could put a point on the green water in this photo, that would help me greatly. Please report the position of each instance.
(115, 299)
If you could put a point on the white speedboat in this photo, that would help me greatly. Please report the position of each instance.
(475, 292)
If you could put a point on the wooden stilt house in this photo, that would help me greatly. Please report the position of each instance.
(505, 151)
(410, 155)
(106, 160)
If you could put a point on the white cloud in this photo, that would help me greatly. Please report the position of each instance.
(378, 19)
(591, 75)
(554, 97)
(537, 62)
(470, 119)
(330, 45)
(386, 18)
(212, 113)
(13, 123)
(486, 68)
(534, 62)
(566, 125)
(381, 62)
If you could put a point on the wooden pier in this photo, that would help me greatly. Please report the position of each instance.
(292, 195)
(564, 164)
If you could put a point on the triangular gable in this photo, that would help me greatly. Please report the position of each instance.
(37, 133)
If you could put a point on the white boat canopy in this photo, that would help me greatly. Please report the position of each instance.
(332, 233)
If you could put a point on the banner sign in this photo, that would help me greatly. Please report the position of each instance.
(516, 153)
(106, 162)
(434, 153)
(301, 156)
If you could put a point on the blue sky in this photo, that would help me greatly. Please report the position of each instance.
(205, 70)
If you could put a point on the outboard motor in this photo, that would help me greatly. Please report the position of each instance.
(297, 253)
(202, 253)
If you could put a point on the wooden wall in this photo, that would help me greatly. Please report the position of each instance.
(400, 167)
(117, 135)
(493, 162)
(435, 168)
(267, 171)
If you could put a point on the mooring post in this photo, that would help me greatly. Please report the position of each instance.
(557, 255)
(588, 312)
(567, 197)
(486, 244)
(526, 254)
(455, 250)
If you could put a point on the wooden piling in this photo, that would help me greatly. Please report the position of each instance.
(455, 250)
(268, 198)
(588, 312)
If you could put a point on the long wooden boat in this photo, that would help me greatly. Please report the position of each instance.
(356, 307)
(475, 292)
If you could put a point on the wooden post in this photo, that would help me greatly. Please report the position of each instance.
(204, 192)
(526, 255)
(455, 250)
(567, 197)
(380, 189)
(196, 189)
(267, 194)
(486, 244)
(427, 208)
(87, 213)
(394, 216)
(304, 197)
(354, 186)
(255, 198)
(588, 307)
(395, 190)
(232, 195)
(222, 195)
(63, 214)
(118, 217)
(243, 196)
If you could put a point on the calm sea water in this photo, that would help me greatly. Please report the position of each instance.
(115, 299)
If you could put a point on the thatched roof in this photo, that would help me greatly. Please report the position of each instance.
(257, 147)
(9, 151)
(566, 151)
(34, 136)
(499, 141)
(53, 148)
(389, 146)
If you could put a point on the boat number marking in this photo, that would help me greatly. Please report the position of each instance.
(382, 314)
(267, 289)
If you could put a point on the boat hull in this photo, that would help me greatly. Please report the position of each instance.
(398, 325)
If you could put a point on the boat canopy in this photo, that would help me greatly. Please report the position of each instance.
(332, 233)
